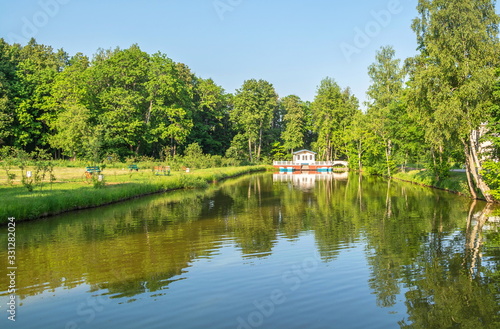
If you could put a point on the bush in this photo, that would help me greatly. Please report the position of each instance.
(189, 181)
(112, 158)
(491, 175)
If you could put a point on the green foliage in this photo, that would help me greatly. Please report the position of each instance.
(455, 182)
(295, 120)
(8, 161)
(452, 78)
(238, 149)
(43, 167)
(440, 168)
(254, 105)
(189, 181)
(385, 111)
(332, 112)
(98, 181)
(8, 90)
(210, 118)
(280, 152)
(36, 70)
(128, 104)
(491, 175)
(194, 157)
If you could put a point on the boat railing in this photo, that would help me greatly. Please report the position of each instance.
(305, 163)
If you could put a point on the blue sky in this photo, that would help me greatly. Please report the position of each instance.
(293, 44)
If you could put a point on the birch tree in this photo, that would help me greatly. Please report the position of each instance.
(384, 93)
(453, 76)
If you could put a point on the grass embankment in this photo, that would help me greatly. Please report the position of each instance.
(456, 182)
(71, 193)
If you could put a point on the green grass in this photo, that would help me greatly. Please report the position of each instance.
(74, 194)
(456, 182)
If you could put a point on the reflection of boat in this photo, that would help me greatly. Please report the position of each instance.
(307, 179)
(340, 175)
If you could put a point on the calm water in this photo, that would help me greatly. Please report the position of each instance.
(263, 251)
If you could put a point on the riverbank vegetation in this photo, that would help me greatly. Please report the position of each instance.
(437, 108)
(70, 192)
(455, 182)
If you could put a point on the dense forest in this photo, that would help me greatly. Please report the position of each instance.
(438, 109)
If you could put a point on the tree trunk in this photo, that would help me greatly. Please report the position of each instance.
(473, 165)
(406, 162)
(250, 150)
(328, 149)
(474, 237)
(359, 157)
(388, 201)
(388, 157)
(472, 189)
(137, 148)
(260, 142)
(148, 113)
(434, 162)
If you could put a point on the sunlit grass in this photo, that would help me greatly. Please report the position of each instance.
(456, 182)
(72, 193)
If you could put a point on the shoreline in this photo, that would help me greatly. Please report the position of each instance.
(117, 193)
(448, 184)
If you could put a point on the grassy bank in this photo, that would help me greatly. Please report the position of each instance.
(72, 194)
(456, 182)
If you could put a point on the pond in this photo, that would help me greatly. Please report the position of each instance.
(262, 251)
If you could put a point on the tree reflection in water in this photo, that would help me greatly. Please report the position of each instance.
(438, 251)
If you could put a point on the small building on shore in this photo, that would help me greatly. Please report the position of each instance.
(305, 160)
(304, 157)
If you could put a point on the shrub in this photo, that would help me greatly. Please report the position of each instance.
(189, 181)
(491, 175)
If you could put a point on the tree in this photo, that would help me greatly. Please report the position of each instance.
(72, 122)
(211, 117)
(295, 122)
(253, 110)
(332, 112)
(169, 113)
(452, 77)
(384, 93)
(357, 138)
(119, 83)
(7, 90)
(36, 71)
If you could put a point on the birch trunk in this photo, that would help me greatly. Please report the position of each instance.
(250, 150)
(388, 157)
(474, 167)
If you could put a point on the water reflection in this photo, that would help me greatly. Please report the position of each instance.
(450, 285)
(433, 252)
(306, 180)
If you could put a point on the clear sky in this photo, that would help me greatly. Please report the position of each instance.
(293, 44)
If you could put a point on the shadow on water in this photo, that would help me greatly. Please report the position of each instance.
(441, 252)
